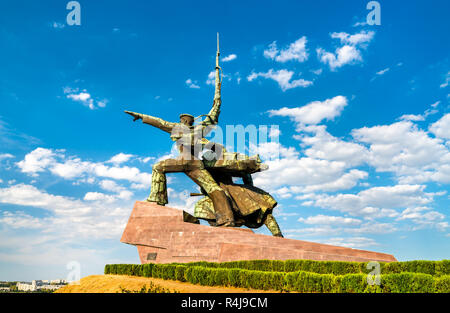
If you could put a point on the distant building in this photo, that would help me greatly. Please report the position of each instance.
(41, 284)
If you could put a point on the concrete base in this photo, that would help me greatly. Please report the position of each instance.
(164, 235)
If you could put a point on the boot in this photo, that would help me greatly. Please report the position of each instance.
(158, 192)
(272, 225)
(222, 208)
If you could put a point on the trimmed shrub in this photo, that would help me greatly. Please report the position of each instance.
(147, 270)
(435, 268)
(443, 267)
(234, 277)
(407, 282)
(180, 273)
(304, 280)
(197, 275)
(220, 277)
(352, 283)
(309, 282)
(442, 284)
(263, 280)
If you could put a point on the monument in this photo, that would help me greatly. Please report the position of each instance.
(165, 235)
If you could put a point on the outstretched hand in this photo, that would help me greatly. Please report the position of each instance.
(136, 116)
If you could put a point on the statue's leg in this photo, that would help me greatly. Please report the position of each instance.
(272, 225)
(158, 191)
(222, 206)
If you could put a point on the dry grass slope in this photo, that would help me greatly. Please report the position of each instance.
(114, 284)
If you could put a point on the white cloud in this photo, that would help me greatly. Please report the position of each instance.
(315, 174)
(70, 218)
(420, 117)
(319, 171)
(435, 104)
(37, 161)
(212, 76)
(349, 53)
(20, 219)
(229, 58)
(407, 151)
(120, 158)
(84, 97)
(138, 186)
(334, 229)
(412, 117)
(342, 56)
(283, 193)
(353, 242)
(273, 133)
(424, 217)
(346, 181)
(329, 220)
(57, 163)
(447, 80)
(382, 72)
(360, 38)
(106, 198)
(146, 159)
(282, 77)
(441, 128)
(110, 185)
(273, 150)
(295, 51)
(400, 148)
(182, 200)
(27, 195)
(314, 112)
(70, 168)
(357, 24)
(58, 25)
(374, 202)
(322, 145)
(5, 156)
(192, 84)
(102, 103)
(98, 196)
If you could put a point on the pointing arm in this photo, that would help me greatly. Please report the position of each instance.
(153, 121)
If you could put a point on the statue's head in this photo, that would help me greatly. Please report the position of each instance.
(186, 119)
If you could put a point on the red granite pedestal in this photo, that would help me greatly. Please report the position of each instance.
(164, 235)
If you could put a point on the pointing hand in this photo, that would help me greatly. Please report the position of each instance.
(136, 116)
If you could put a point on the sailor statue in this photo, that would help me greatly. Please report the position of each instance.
(212, 168)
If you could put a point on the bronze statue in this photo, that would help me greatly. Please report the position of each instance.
(224, 203)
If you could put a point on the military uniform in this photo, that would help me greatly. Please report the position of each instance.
(251, 205)
(190, 140)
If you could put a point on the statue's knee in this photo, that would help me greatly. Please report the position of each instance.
(158, 167)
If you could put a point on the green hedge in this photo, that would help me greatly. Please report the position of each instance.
(298, 281)
(442, 284)
(434, 268)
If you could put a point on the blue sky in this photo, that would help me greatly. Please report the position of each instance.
(363, 114)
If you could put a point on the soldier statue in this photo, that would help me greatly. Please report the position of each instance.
(212, 168)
